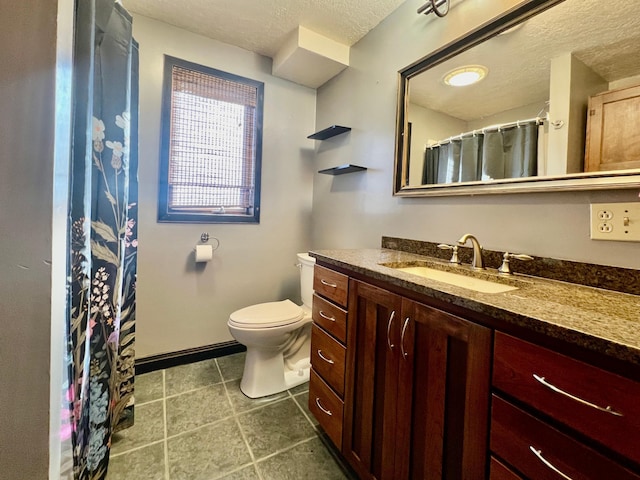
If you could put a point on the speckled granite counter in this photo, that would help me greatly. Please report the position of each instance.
(599, 320)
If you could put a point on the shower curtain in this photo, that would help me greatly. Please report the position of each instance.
(103, 234)
(503, 153)
(510, 153)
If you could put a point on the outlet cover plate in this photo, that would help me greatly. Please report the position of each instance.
(615, 221)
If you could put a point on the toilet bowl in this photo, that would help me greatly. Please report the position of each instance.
(278, 339)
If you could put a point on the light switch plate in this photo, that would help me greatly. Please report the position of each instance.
(615, 221)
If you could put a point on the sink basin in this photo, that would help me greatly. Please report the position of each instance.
(464, 281)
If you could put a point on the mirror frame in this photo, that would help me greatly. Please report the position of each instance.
(623, 179)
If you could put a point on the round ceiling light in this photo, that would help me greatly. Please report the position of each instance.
(467, 75)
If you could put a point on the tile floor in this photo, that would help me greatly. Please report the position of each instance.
(192, 422)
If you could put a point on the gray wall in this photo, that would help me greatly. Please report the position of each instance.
(354, 211)
(181, 306)
(27, 95)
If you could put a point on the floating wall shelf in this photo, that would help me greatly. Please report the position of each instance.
(342, 169)
(329, 132)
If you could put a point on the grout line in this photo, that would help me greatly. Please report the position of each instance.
(164, 413)
(133, 449)
(173, 395)
(246, 442)
(199, 427)
(235, 470)
(262, 405)
(297, 444)
(159, 399)
(235, 417)
(302, 409)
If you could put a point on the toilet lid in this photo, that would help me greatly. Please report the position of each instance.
(264, 315)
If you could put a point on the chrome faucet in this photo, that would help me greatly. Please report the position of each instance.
(477, 263)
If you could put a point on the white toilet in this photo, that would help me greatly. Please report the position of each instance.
(278, 339)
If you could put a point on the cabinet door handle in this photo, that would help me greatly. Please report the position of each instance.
(391, 345)
(328, 284)
(404, 330)
(328, 360)
(606, 409)
(328, 412)
(538, 453)
(327, 317)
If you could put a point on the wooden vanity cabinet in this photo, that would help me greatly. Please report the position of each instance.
(417, 389)
(443, 395)
(328, 351)
(371, 380)
(413, 392)
(541, 397)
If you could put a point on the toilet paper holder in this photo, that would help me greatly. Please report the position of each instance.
(205, 237)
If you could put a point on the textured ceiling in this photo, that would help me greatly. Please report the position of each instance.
(603, 35)
(261, 26)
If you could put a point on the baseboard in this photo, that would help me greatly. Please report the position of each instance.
(182, 357)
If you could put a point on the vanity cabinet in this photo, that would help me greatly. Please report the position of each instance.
(409, 391)
(371, 380)
(417, 389)
(328, 351)
(537, 390)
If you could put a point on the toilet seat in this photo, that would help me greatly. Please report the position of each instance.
(267, 315)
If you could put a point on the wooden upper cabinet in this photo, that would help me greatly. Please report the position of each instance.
(613, 131)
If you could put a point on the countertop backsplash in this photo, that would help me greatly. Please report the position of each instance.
(625, 280)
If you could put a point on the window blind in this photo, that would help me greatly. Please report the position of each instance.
(212, 143)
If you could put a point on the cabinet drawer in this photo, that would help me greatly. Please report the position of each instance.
(535, 449)
(327, 358)
(572, 392)
(330, 317)
(326, 407)
(501, 472)
(330, 284)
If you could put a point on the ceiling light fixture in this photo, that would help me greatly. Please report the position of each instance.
(467, 75)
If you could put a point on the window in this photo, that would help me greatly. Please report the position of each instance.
(211, 145)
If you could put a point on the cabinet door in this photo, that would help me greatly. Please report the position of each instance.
(443, 410)
(371, 380)
(612, 141)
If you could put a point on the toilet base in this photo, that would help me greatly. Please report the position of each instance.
(265, 374)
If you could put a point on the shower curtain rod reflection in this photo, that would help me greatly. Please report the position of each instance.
(491, 128)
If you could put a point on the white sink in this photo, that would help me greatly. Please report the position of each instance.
(471, 283)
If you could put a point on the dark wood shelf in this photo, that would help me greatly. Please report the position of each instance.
(329, 132)
(342, 169)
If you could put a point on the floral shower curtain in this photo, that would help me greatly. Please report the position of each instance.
(103, 236)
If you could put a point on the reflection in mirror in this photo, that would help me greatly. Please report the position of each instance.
(557, 98)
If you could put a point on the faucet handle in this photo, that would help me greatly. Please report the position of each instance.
(454, 252)
(504, 268)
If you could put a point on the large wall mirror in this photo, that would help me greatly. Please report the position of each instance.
(557, 106)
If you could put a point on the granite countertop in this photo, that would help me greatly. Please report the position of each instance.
(601, 320)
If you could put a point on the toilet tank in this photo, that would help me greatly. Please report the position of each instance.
(306, 278)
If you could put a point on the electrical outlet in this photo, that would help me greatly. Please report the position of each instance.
(615, 221)
(605, 215)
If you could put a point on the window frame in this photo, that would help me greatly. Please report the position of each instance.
(165, 214)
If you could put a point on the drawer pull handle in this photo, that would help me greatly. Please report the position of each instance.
(391, 345)
(538, 453)
(606, 409)
(404, 329)
(327, 317)
(328, 360)
(328, 412)
(328, 284)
